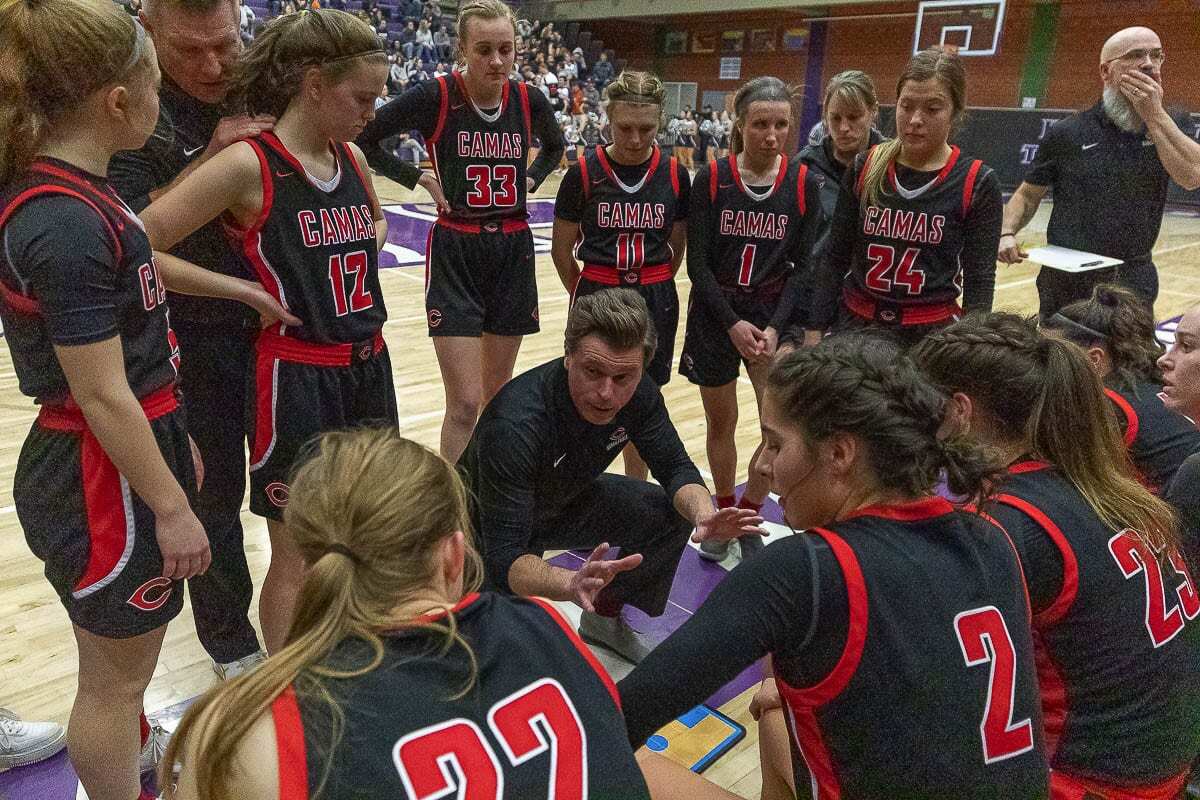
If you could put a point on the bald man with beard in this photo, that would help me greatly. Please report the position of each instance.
(1109, 167)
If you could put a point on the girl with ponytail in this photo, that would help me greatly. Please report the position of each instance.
(394, 663)
(752, 220)
(299, 204)
(1116, 330)
(104, 479)
(1114, 606)
(889, 599)
(915, 220)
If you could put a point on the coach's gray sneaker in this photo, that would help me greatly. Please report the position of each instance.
(23, 743)
(615, 634)
(154, 748)
(243, 665)
(713, 549)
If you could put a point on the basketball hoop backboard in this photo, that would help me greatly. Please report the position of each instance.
(968, 27)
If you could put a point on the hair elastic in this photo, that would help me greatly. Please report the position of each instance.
(341, 549)
(1061, 321)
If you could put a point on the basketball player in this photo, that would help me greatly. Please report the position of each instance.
(480, 292)
(622, 211)
(1114, 326)
(917, 221)
(304, 214)
(434, 687)
(104, 479)
(1180, 367)
(1114, 607)
(751, 228)
(884, 696)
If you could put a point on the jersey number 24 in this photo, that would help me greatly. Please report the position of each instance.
(454, 758)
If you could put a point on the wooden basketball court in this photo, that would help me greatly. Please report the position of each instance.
(37, 652)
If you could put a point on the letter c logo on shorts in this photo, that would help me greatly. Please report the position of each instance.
(435, 318)
(277, 493)
(148, 596)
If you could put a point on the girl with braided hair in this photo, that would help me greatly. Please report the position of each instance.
(1114, 606)
(890, 599)
(1116, 329)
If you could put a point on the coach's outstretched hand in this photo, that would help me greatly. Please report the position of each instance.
(728, 523)
(596, 573)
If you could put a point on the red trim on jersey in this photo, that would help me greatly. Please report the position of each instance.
(281, 150)
(1034, 465)
(611, 276)
(526, 114)
(675, 176)
(1052, 691)
(969, 186)
(713, 169)
(1070, 582)
(70, 177)
(443, 109)
(434, 616)
(251, 238)
(286, 348)
(970, 507)
(861, 181)
(428, 257)
(109, 523)
(864, 305)
(655, 157)
(509, 225)
(158, 403)
(1072, 787)
(289, 743)
(780, 174)
(19, 303)
(815, 753)
(1131, 418)
(583, 649)
(50, 189)
(504, 92)
(264, 409)
(583, 177)
(927, 508)
(801, 176)
(357, 168)
(941, 176)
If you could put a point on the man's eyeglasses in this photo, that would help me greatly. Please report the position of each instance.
(1138, 55)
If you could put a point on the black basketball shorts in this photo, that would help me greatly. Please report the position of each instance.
(663, 302)
(299, 390)
(479, 278)
(95, 535)
(709, 357)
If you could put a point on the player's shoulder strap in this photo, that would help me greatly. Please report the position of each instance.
(801, 181)
(526, 113)
(969, 185)
(64, 184)
(713, 168)
(349, 154)
(443, 108)
(1070, 582)
(673, 165)
(1126, 408)
(583, 176)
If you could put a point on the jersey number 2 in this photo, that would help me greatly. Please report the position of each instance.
(984, 639)
(359, 298)
(481, 195)
(884, 271)
(453, 758)
(1133, 556)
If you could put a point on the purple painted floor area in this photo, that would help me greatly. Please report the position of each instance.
(409, 228)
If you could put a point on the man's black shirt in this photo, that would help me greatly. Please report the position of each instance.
(1110, 187)
(185, 126)
(532, 454)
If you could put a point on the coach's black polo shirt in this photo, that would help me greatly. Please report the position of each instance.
(185, 126)
(1110, 188)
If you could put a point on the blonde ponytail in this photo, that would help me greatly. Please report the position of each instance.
(878, 160)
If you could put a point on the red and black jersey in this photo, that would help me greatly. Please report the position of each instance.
(76, 268)
(539, 716)
(313, 246)
(481, 160)
(960, 662)
(627, 227)
(1117, 639)
(1158, 438)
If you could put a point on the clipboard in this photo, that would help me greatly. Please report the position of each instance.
(1068, 260)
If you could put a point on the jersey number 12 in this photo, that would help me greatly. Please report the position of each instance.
(358, 298)
(984, 639)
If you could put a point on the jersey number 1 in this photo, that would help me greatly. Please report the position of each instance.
(984, 639)
(480, 195)
(359, 298)
(453, 758)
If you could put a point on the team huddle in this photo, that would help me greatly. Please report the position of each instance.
(989, 588)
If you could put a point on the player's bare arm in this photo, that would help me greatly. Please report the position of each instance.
(562, 251)
(376, 210)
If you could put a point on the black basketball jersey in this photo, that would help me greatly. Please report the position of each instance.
(909, 241)
(313, 247)
(753, 237)
(540, 719)
(627, 227)
(480, 161)
(129, 285)
(1158, 438)
(934, 694)
(1119, 646)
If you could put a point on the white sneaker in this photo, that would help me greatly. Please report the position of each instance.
(243, 665)
(23, 743)
(154, 748)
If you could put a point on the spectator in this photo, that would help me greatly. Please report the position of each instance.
(577, 54)
(397, 77)
(408, 148)
(441, 44)
(423, 42)
(602, 72)
(246, 22)
(408, 37)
